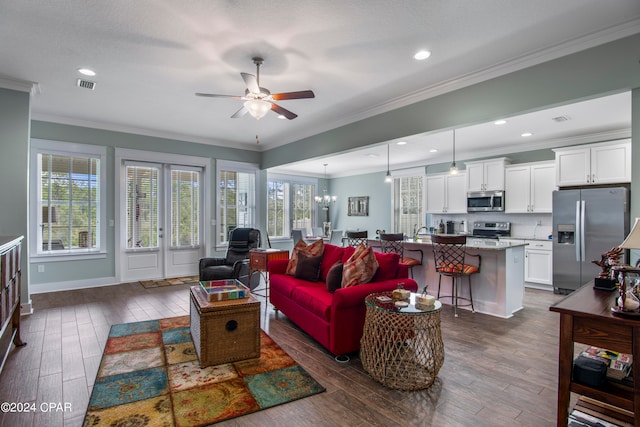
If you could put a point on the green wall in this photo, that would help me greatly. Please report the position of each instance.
(14, 156)
(104, 269)
(605, 69)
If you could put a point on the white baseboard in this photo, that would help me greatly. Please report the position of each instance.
(72, 285)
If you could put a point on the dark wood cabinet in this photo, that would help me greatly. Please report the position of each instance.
(10, 282)
(586, 318)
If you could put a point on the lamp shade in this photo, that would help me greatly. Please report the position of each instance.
(257, 108)
(633, 239)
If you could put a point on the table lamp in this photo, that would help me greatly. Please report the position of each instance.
(631, 242)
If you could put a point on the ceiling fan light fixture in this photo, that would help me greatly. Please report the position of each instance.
(257, 108)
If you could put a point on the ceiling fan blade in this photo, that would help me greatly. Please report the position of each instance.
(251, 82)
(241, 112)
(293, 95)
(283, 111)
(214, 95)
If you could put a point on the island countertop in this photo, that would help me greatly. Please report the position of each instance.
(472, 242)
(498, 288)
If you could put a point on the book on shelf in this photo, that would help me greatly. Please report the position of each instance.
(224, 290)
(618, 364)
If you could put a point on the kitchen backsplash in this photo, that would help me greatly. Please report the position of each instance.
(522, 225)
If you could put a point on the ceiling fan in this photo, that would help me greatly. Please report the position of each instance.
(258, 100)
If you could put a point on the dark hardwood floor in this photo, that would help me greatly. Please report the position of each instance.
(497, 372)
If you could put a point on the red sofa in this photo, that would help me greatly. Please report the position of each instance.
(335, 319)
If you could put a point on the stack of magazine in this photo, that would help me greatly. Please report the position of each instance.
(618, 364)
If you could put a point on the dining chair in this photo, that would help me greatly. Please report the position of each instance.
(296, 235)
(355, 238)
(336, 237)
(450, 256)
(394, 243)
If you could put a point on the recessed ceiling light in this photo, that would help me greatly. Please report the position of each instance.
(499, 122)
(402, 142)
(422, 54)
(526, 134)
(433, 150)
(372, 155)
(86, 72)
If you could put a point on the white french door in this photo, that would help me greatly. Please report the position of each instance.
(161, 217)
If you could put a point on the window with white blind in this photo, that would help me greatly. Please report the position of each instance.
(67, 213)
(185, 206)
(290, 204)
(236, 198)
(408, 204)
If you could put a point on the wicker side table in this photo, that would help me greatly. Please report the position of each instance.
(401, 348)
(224, 331)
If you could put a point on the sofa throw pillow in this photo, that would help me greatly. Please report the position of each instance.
(308, 267)
(360, 267)
(314, 249)
(334, 277)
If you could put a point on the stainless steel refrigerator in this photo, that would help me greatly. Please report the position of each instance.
(587, 222)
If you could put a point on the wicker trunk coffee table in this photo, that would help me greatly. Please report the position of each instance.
(401, 348)
(224, 331)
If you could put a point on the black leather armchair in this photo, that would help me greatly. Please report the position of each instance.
(235, 265)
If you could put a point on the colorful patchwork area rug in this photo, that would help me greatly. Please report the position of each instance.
(191, 280)
(150, 376)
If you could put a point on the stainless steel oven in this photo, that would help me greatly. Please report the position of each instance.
(485, 201)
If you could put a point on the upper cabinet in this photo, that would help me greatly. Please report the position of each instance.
(594, 164)
(529, 187)
(486, 175)
(446, 193)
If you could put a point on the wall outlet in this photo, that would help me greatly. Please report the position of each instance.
(40, 268)
(539, 222)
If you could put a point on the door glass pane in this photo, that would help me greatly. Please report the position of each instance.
(142, 207)
(185, 208)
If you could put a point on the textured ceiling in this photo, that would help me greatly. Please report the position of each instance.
(151, 56)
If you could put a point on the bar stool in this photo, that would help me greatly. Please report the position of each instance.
(394, 243)
(355, 238)
(449, 253)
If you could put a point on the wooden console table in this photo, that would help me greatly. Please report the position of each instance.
(586, 318)
(10, 275)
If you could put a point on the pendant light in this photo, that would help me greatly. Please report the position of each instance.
(387, 177)
(453, 170)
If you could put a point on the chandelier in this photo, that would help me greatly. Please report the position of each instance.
(325, 200)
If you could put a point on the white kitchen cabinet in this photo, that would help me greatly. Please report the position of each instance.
(594, 164)
(538, 263)
(486, 175)
(446, 193)
(529, 187)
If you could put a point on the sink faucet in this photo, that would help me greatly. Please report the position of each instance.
(415, 236)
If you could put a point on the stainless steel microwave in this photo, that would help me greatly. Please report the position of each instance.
(485, 201)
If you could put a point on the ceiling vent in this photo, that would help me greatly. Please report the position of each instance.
(560, 119)
(86, 84)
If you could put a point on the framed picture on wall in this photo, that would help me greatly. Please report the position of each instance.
(358, 206)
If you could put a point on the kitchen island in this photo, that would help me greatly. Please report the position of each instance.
(498, 289)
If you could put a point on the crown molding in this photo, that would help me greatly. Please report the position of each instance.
(20, 85)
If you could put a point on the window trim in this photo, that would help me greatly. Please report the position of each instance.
(291, 180)
(408, 173)
(243, 167)
(63, 148)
